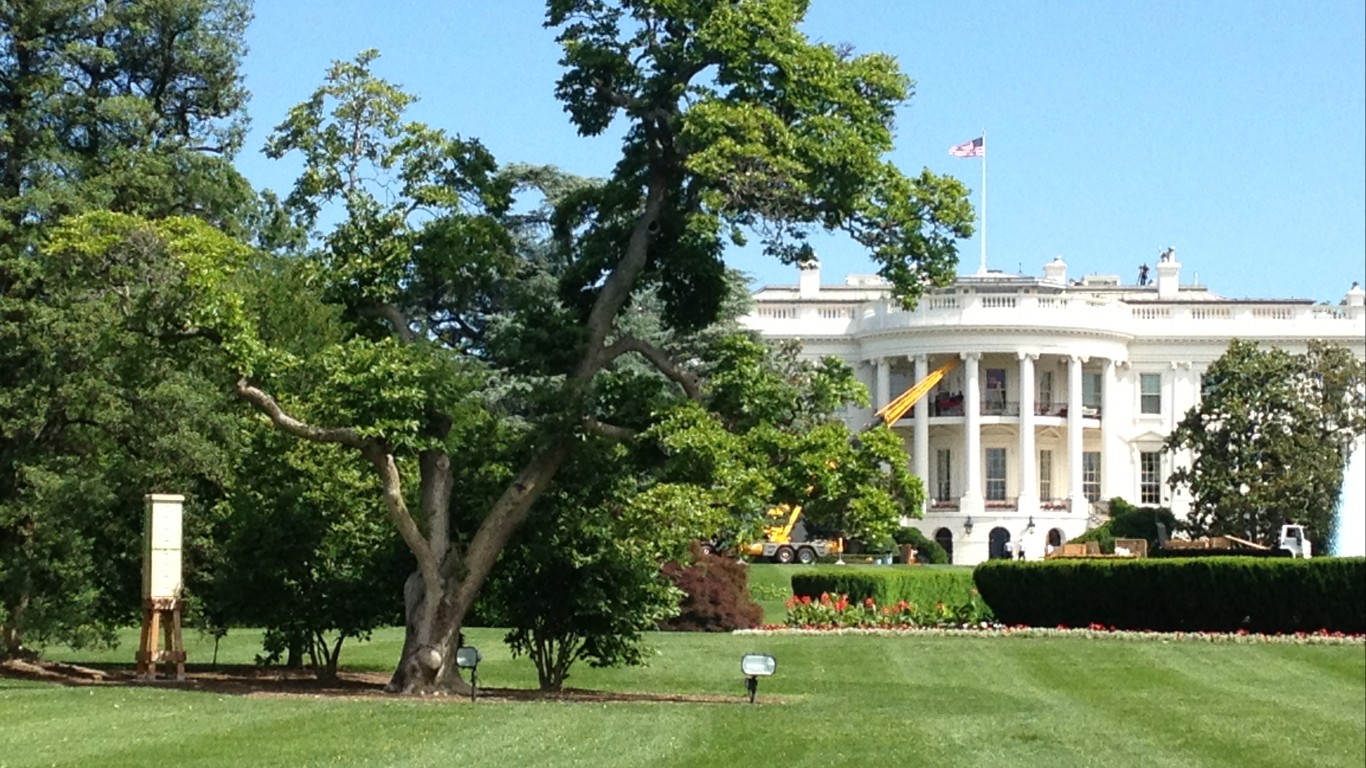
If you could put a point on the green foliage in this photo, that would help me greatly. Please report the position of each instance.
(128, 107)
(576, 585)
(1270, 438)
(1129, 522)
(306, 552)
(716, 595)
(925, 547)
(923, 587)
(737, 124)
(1208, 594)
(134, 107)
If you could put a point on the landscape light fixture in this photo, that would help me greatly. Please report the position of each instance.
(754, 666)
(967, 524)
(468, 657)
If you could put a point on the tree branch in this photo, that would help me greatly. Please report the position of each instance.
(609, 431)
(286, 423)
(394, 315)
(659, 359)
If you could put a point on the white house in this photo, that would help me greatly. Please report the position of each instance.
(1063, 391)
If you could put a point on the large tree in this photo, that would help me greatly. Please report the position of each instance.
(737, 125)
(133, 106)
(1270, 440)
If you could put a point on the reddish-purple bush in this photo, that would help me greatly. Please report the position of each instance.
(716, 595)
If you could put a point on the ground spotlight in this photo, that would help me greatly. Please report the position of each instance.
(754, 666)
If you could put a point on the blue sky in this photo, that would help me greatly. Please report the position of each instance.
(1234, 131)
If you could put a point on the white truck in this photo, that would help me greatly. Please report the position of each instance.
(1294, 541)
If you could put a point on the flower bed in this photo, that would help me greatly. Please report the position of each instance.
(838, 615)
(838, 612)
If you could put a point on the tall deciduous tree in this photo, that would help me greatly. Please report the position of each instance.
(736, 125)
(1270, 440)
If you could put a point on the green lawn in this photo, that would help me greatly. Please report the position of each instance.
(836, 700)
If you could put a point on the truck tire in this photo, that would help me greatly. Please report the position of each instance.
(806, 555)
(784, 555)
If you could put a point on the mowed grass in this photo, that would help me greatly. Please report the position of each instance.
(836, 700)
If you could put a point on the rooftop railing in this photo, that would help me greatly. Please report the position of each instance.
(1079, 312)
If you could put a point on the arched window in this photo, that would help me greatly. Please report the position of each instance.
(999, 544)
(944, 538)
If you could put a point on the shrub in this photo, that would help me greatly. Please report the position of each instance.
(928, 548)
(715, 595)
(1207, 594)
(1128, 522)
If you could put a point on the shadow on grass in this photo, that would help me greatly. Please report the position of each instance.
(258, 681)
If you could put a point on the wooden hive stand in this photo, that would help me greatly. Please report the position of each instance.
(161, 617)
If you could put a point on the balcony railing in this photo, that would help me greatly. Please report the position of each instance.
(992, 406)
(952, 405)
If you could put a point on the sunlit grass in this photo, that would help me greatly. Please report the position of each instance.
(835, 700)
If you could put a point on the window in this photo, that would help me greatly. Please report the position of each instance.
(1045, 474)
(943, 477)
(1045, 396)
(1150, 388)
(1150, 477)
(994, 404)
(1091, 390)
(1090, 475)
(996, 474)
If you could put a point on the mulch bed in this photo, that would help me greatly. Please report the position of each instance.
(250, 680)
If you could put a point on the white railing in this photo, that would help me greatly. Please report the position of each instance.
(1099, 314)
(1152, 313)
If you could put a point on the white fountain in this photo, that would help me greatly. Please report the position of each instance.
(1350, 540)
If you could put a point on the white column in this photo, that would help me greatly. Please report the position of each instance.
(1108, 451)
(920, 456)
(884, 383)
(1029, 481)
(972, 437)
(1115, 461)
(1074, 445)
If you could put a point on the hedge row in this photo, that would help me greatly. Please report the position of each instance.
(919, 585)
(1214, 594)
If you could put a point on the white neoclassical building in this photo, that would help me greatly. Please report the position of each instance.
(1063, 389)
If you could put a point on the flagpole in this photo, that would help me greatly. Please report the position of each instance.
(983, 269)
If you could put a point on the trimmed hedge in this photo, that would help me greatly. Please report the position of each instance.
(1211, 594)
(927, 547)
(919, 585)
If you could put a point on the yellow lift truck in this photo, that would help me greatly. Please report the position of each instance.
(786, 541)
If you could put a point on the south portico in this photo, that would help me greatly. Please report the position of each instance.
(1001, 444)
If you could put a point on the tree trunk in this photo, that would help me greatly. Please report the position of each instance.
(432, 632)
(294, 651)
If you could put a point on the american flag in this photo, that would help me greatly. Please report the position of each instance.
(975, 148)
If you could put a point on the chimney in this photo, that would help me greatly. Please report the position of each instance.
(809, 279)
(1356, 297)
(1055, 271)
(1168, 274)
